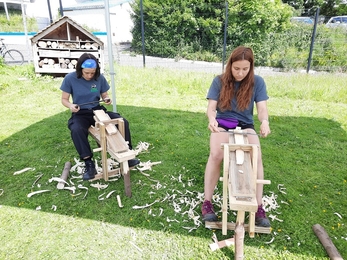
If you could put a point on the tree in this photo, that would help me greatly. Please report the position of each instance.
(333, 8)
(179, 28)
(298, 6)
(173, 25)
(250, 22)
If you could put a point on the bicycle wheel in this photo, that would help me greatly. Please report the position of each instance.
(13, 57)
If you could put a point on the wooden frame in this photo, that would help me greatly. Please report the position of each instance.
(239, 187)
(111, 141)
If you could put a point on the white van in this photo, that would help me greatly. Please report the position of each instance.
(337, 21)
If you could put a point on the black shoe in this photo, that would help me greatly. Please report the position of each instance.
(133, 162)
(89, 171)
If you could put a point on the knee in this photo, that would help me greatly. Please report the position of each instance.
(75, 128)
(126, 122)
(216, 157)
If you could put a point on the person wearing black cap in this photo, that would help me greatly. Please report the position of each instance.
(86, 86)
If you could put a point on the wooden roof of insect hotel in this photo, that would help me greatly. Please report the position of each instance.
(65, 29)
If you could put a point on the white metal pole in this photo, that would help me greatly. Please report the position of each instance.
(110, 53)
(6, 11)
(23, 6)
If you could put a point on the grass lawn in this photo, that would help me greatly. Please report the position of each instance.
(304, 158)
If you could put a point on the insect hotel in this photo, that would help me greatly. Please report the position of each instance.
(57, 48)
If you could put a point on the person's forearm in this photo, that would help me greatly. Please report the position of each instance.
(66, 103)
(211, 113)
(105, 96)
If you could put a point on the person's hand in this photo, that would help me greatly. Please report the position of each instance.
(264, 128)
(108, 101)
(74, 108)
(213, 125)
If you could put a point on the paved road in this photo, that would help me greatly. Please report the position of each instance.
(123, 57)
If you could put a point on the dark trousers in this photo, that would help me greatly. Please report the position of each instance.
(79, 124)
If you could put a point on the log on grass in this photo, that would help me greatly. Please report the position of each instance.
(64, 175)
(326, 242)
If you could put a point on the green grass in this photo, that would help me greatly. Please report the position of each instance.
(15, 22)
(166, 108)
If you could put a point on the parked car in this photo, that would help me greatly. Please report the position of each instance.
(302, 19)
(337, 21)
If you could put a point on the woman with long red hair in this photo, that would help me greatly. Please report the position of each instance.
(231, 100)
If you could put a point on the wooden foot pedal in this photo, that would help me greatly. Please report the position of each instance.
(232, 226)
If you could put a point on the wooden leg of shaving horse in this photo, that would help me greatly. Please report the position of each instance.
(103, 151)
(126, 174)
(225, 190)
(239, 235)
(255, 176)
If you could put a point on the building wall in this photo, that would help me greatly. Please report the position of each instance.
(120, 20)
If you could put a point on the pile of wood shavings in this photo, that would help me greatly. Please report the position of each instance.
(79, 167)
(188, 204)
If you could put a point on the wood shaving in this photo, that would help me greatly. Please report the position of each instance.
(273, 217)
(73, 189)
(100, 197)
(57, 180)
(109, 194)
(141, 147)
(99, 186)
(281, 188)
(36, 192)
(145, 206)
(136, 246)
(80, 186)
(119, 202)
(32, 186)
(78, 167)
(23, 170)
(190, 229)
(144, 166)
(171, 220)
(269, 242)
(214, 238)
(337, 214)
(270, 203)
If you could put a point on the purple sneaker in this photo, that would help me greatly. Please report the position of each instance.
(208, 213)
(260, 218)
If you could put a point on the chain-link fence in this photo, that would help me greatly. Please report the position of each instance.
(303, 46)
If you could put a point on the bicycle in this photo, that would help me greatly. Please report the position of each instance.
(10, 56)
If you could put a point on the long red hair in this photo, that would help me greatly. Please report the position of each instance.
(245, 91)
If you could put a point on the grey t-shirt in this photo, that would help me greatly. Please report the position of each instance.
(246, 116)
(82, 90)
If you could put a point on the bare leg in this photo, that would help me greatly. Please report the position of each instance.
(212, 171)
